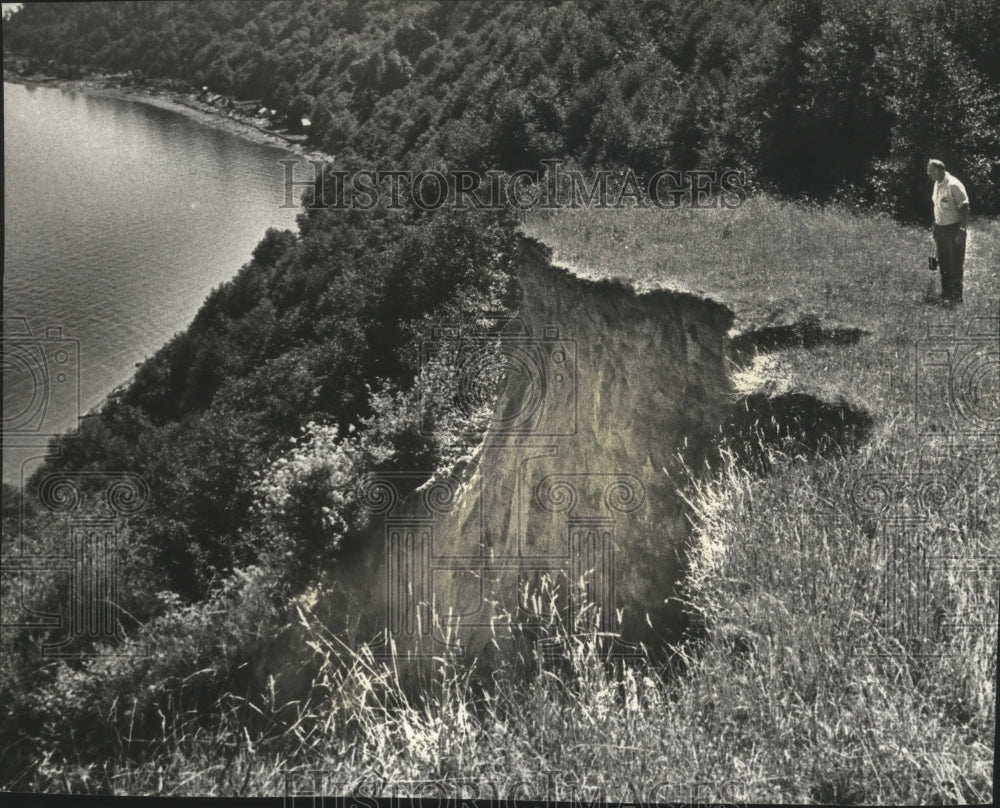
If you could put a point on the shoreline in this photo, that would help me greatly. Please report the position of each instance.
(102, 85)
(171, 101)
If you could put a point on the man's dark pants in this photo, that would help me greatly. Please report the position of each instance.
(951, 260)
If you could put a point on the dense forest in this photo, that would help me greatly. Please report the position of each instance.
(300, 373)
(840, 98)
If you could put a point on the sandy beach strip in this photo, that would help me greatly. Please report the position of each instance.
(174, 102)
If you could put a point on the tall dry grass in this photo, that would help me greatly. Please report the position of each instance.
(847, 653)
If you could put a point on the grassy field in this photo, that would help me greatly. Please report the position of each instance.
(849, 601)
(851, 650)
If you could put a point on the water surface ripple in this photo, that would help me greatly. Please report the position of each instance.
(119, 217)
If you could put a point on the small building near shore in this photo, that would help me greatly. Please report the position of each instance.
(245, 106)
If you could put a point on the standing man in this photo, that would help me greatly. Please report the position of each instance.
(951, 222)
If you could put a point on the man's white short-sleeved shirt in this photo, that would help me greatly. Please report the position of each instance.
(949, 195)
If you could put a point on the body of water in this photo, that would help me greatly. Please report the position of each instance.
(119, 218)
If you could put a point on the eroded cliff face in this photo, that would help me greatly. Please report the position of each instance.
(608, 394)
